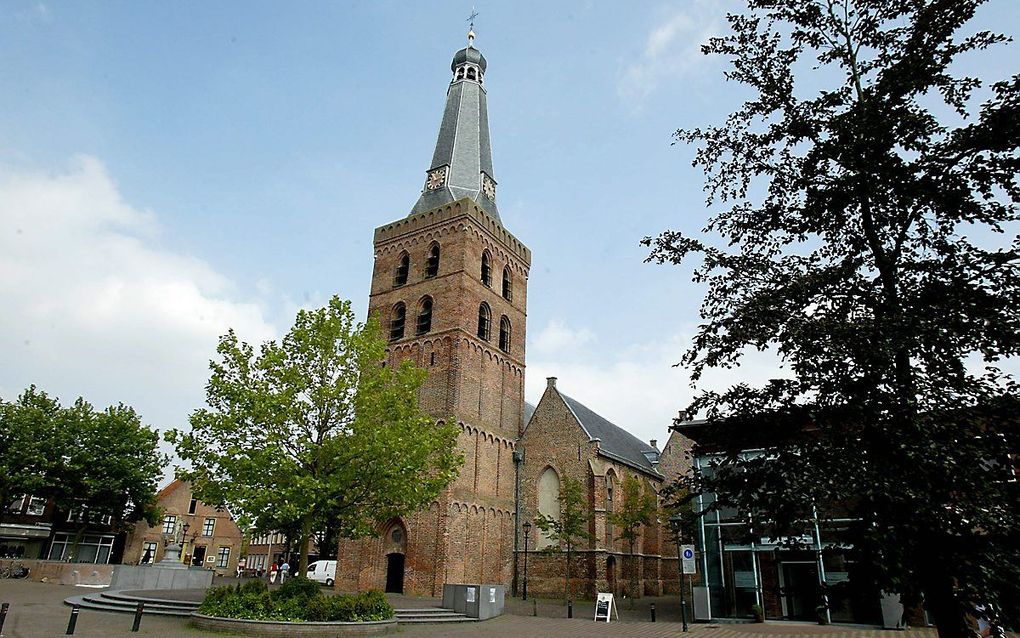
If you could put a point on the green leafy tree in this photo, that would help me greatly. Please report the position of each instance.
(868, 236)
(572, 526)
(313, 431)
(31, 445)
(638, 510)
(93, 464)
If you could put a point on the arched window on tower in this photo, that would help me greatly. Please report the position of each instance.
(472, 74)
(432, 264)
(508, 284)
(484, 321)
(403, 266)
(486, 269)
(397, 321)
(548, 503)
(424, 316)
(504, 334)
(460, 73)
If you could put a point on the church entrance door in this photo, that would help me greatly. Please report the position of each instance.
(394, 573)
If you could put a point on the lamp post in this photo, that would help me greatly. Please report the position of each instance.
(677, 524)
(527, 530)
(184, 539)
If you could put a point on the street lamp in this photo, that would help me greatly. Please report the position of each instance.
(527, 530)
(184, 539)
(677, 524)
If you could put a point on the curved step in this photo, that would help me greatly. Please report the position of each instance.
(99, 604)
(155, 602)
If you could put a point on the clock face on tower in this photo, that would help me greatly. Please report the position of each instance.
(436, 178)
(488, 187)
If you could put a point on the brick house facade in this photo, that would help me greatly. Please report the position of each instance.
(212, 539)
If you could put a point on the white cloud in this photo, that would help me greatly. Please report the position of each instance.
(557, 336)
(92, 306)
(672, 49)
(638, 387)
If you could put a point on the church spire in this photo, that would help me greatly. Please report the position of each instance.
(462, 163)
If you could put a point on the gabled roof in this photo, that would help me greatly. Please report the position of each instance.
(616, 443)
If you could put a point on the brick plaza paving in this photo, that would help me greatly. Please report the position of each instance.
(37, 611)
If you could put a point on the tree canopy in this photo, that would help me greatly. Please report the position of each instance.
(90, 462)
(637, 511)
(315, 432)
(868, 237)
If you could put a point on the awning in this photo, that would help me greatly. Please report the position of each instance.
(13, 530)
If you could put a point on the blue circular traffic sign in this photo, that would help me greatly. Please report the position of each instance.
(688, 554)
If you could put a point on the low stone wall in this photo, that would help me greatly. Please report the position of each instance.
(53, 571)
(281, 628)
(156, 577)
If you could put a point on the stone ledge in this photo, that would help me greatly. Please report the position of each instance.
(274, 628)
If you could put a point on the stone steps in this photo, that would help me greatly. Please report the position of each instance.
(430, 615)
(118, 601)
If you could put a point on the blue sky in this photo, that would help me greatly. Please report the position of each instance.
(168, 170)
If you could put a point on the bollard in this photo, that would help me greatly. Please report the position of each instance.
(570, 608)
(72, 621)
(3, 616)
(138, 616)
(534, 607)
(653, 612)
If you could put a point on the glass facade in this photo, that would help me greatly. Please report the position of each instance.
(788, 577)
(91, 549)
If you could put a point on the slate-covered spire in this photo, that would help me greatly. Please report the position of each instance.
(462, 164)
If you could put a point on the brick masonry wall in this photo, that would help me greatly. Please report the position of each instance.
(467, 534)
(555, 440)
(175, 499)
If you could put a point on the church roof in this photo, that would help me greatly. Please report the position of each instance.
(462, 162)
(616, 443)
(526, 415)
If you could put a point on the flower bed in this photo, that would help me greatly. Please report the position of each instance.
(298, 608)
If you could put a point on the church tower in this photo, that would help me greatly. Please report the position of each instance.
(450, 289)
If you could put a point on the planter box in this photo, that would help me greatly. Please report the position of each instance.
(283, 628)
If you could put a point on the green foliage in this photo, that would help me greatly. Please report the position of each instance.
(296, 604)
(312, 431)
(97, 462)
(638, 509)
(869, 239)
(297, 587)
(253, 586)
(570, 528)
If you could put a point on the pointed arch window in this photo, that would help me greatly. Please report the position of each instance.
(432, 263)
(424, 316)
(548, 503)
(486, 269)
(508, 284)
(397, 321)
(403, 267)
(484, 322)
(504, 334)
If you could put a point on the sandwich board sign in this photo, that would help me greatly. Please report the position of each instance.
(604, 607)
(689, 564)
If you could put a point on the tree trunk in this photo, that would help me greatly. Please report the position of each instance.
(306, 535)
(633, 575)
(946, 608)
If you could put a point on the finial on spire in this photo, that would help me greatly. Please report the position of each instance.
(471, 27)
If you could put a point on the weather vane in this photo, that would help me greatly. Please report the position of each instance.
(471, 27)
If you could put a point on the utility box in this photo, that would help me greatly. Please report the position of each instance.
(479, 601)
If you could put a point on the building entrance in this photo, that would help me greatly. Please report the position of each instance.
(394, 573)
(799, 589)
(199, 556)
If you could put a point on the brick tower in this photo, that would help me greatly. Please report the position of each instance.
(450, 288)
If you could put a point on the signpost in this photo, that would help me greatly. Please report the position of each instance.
(604, 607)
(690, 566)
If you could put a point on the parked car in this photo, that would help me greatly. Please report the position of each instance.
(322, 571)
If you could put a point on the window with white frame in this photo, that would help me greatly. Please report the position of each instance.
(169, 524)
(148, 553)
(223, 557)
(94, 549)
(209, 527)
(17, 504)
(36, 506)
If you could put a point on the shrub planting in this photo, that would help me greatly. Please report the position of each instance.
(295, 601)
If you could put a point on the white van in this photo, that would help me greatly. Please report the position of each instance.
(322, 571)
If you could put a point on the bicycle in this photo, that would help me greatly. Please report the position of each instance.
(14, 571)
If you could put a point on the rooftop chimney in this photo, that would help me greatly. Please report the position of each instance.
(653, 444)
(550, 382)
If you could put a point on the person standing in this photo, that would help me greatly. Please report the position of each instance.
(284, 571)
